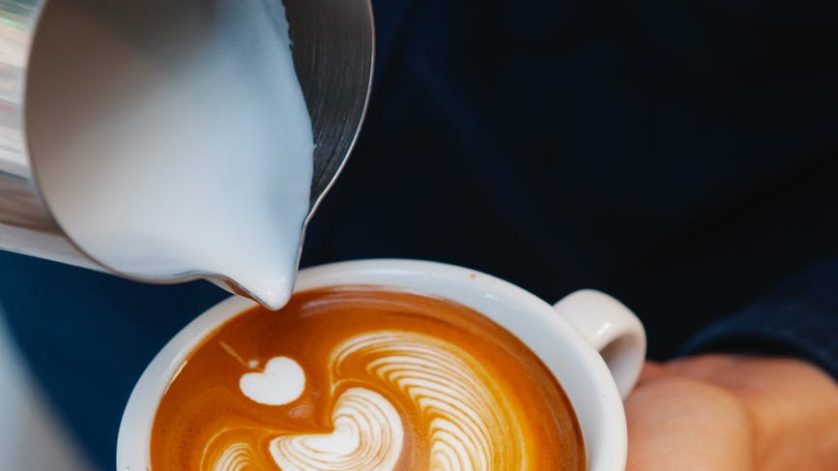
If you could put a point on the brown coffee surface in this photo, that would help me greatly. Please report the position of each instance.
(393, 380)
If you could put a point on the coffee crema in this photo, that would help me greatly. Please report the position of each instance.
(363, 378)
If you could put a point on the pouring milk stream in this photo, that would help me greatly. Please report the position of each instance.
(218, 182)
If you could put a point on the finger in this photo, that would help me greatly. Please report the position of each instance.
(682, 424)
(651, 370)
(701, 367)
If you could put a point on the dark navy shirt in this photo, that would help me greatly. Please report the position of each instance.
(678, 154)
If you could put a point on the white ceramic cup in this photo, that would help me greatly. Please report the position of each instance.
(593, 344)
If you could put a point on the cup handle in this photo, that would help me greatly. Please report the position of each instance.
(612, 329)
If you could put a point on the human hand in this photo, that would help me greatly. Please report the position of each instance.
(737, 413)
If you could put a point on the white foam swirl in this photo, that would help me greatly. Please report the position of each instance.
(367, 435)
(469, 425)
(236, 457)
(457, 410)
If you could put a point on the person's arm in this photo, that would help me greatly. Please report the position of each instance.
(767, 400)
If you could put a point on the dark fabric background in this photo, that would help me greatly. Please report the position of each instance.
(678, 154)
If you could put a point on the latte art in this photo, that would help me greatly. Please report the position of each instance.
(368, 435)
(237, 457)
(282, 382)
(358, 379)
(469, 426)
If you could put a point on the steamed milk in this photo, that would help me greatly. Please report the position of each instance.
(172, 138)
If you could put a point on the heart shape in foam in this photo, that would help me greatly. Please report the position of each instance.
(368, 434)
(282, 382)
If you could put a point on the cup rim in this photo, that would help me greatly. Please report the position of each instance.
(138, 417)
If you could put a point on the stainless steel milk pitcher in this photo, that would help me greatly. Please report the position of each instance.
(333, 53)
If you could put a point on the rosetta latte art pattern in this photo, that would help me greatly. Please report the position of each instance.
(344, 380)
(368, 435)
(468, 426)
